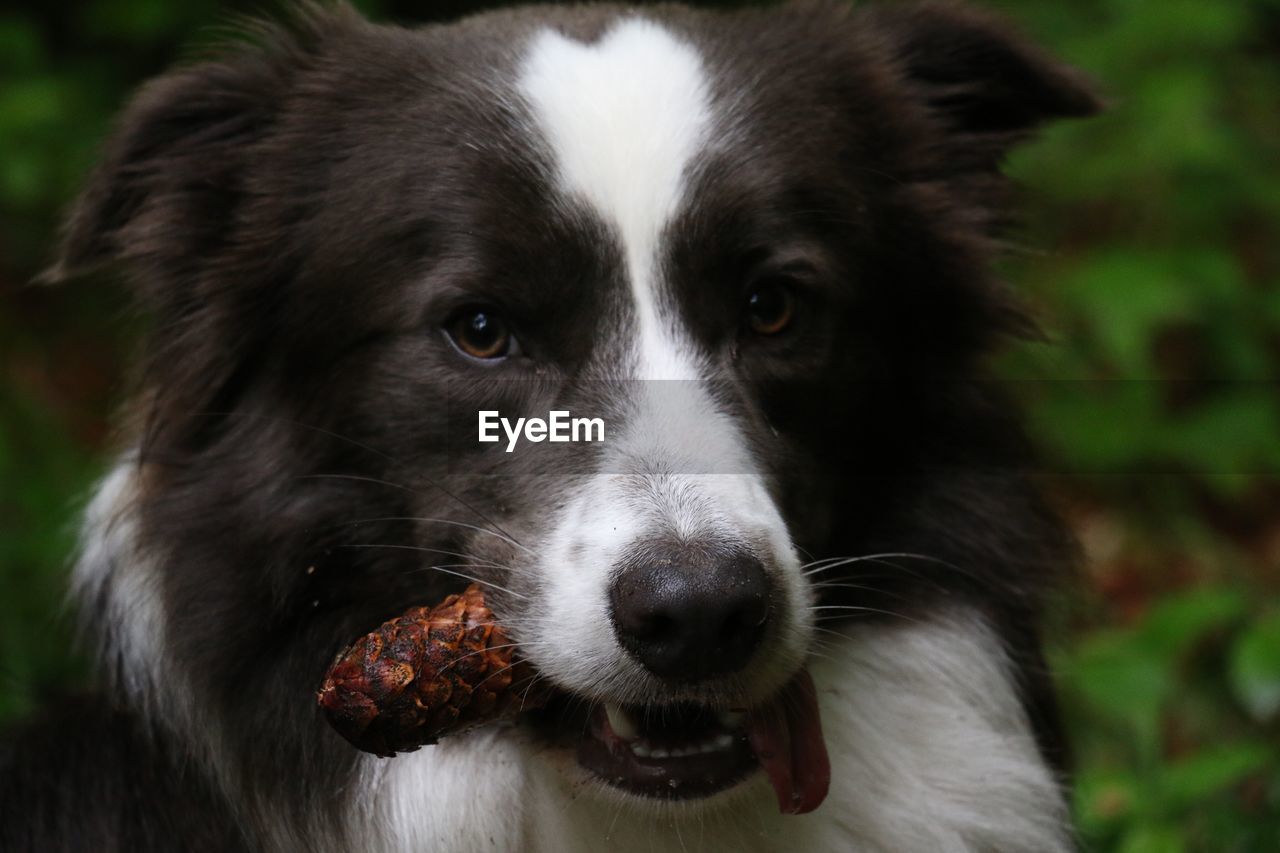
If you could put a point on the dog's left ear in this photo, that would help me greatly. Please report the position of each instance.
(986, 83)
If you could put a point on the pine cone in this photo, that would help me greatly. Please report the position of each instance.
(434, 671)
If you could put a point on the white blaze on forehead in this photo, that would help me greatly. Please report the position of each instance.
(624, 116)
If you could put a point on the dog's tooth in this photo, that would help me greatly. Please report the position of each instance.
(731, 720)
(723, 741)
(641, 749)
(659, 752)
(620, 722)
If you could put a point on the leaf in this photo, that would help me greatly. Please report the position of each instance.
(1105, 798)
(1255, 669)
(139, 21)
(1098, 427)
(1174, 624)
(1229, 437)
(21, 45)
(1128, 295)
(32, 102)
(1190, 780)
(1152, 839)
(1121, 679)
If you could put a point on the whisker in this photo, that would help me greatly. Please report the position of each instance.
(361, 445)
(841, 559)
(827, 565)
(806, 553)
(524, 697)
(839, 585)
(423, 548)
(813, 563)
(461, 658)
(478, 565)
(829, 585)
(813, 653)
(474, 527)
(883, 559)
(839, 634)
(431, 482)
(497, 672)
(850, 607)
(472, 578)
(330, 433)
(836, 562)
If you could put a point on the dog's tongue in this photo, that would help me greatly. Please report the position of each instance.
(786, 736)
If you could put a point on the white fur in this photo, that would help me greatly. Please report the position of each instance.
(930, 751)
(118, 583)
(113, 574)
(625, 117)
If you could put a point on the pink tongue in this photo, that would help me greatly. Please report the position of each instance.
(786, 736)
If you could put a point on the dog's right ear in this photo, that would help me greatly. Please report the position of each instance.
(171, 174)
(168, 178)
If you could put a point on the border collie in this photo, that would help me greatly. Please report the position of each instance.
(789, 601)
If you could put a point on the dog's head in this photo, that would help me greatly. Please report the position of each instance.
(753, 245)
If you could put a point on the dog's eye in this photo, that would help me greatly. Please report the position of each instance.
(771, 306)
(480, 333)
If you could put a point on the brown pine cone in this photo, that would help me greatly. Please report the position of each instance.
(434, 671)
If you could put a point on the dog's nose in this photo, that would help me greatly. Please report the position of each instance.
(688, 614)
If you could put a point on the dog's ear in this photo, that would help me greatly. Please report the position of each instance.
(167, 179)
(170, 175)
(986, 83)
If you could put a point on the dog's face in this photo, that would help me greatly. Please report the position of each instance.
(752, 245)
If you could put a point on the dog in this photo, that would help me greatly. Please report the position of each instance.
(790, 599)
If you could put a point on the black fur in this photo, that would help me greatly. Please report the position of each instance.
(300, 215)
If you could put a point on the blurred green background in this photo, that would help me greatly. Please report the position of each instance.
(1156, 263)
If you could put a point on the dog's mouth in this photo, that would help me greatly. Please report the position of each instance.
(687, 751)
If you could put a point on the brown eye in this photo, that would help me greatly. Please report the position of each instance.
(480, 333)
(771, 306)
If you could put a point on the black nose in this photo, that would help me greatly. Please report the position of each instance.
(690, 613)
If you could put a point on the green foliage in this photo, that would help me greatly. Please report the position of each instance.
(1165, 290)
(1156, 262)
(1166, 741)
(1161, 273)
(1255, 669)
